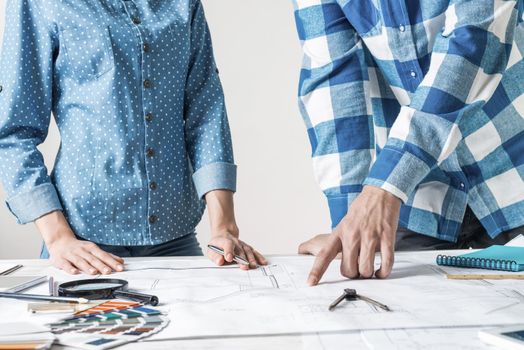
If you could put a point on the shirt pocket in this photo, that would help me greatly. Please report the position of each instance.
(88, 52)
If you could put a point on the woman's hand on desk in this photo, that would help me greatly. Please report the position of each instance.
(232, 246)
(71, 254)
(225, 233)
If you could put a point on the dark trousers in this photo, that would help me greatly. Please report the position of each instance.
(183, 246)
(472, 235)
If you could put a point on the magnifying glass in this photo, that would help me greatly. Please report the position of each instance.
(103, 288)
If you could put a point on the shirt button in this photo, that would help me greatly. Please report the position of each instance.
(149, 117)
(153, 185)
(413, 74)
(146, 47)
(136, 21)
(462, 185)
(150, 152)
(402, 28)
(147, 83)
(153, 219)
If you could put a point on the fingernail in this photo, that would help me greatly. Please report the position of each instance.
(73, 271)
(107, 271)
(230, 257)
(119, 267)
(312, 281)
(91, 271)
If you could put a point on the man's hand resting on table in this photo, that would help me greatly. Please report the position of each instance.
(369, 225)
(314, 245)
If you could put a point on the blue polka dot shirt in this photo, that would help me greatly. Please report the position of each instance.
(135, 92)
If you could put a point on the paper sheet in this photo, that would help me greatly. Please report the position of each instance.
(400, 339)
(427, 339)
(516, 242)
(204, 300)
(18, 328)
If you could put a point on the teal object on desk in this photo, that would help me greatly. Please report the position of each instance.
(496, 257)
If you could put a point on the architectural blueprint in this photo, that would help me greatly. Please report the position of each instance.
(272, 307)
(206, 301)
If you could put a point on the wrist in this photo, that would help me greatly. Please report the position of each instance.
(382, 194)
(221, 211)
(54, 228)
(224, 229)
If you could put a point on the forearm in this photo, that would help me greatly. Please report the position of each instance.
(221, 211)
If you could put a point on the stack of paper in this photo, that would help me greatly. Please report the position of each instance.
(22, 335)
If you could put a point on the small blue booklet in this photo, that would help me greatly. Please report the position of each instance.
(496, 257)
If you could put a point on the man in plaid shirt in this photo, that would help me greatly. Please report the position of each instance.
(415, 113)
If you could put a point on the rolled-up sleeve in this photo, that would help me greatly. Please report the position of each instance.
(26, 89)
(208, 137)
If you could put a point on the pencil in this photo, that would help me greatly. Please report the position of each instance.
(485, 277)
(11, 270)
(43, 297)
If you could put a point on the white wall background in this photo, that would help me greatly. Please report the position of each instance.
(278, 202)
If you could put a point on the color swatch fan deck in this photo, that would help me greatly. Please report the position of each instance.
(108, 325)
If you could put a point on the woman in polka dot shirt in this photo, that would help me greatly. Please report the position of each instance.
(145, 141)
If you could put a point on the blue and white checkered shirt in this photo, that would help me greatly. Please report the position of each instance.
(422, 98)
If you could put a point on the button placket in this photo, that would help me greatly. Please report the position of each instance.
(132, 12)
(408, 66)
(147, 98)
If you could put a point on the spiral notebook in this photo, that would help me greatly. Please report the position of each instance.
(496, 257)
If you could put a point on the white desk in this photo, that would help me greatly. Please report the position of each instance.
(350, 327)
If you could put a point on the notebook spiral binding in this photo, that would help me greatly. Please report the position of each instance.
(493, 264)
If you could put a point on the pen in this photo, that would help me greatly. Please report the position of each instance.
(236, 258)
(43, 297)
(11, 270)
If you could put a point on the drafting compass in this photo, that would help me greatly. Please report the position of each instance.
(351, 294)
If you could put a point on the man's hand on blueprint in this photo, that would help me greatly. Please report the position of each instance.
(314, 245)
(369, 225)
